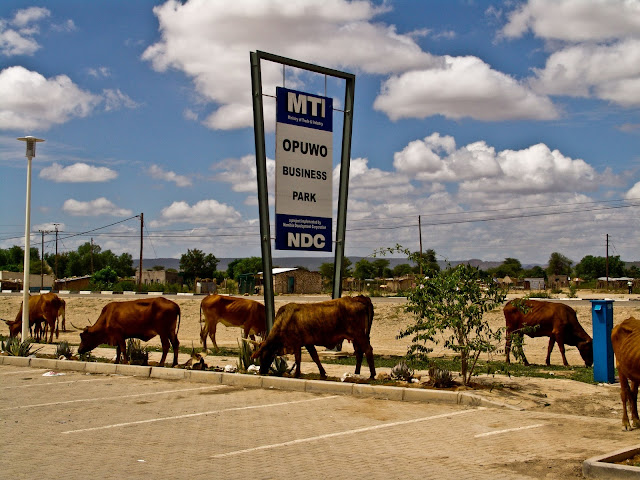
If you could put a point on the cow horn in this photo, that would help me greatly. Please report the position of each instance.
(77, 328)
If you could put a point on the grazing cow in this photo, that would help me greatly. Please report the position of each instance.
(142, 319)
(547, 319)
(625, 339)
(322, 323)
(42, 308)
(231, 312)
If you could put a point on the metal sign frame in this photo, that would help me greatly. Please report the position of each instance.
(261, 170)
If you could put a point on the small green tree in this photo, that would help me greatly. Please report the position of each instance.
(104, 279)
(451, 306)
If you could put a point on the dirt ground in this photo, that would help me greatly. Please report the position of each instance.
(556, 395)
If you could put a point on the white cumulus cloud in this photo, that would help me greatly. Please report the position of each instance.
(204, 212)
(608, 72)
(159, 173)
(240, 173)
(479, 167)
(77, 173)
(31, 101)
(197, 30)
(575, 20)
(99, 206)
(463, 87)
(17, 34)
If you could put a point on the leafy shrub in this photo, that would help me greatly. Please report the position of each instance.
(245, 350)
(64, 350)
(440, 377)
(136, 353)
(86, 357)
(402, 371)
(452, 305)
(15, 348)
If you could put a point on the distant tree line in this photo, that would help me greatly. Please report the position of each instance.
(90, 259)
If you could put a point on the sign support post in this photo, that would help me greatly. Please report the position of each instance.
(263, 198)
(258, 121)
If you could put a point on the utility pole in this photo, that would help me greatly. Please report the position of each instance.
(141, 243)
(607, 262)
(42, 232)
(56, 267)
(91, 256)
(420, 232)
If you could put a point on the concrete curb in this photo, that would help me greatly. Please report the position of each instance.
(256, 381)
(601, 466)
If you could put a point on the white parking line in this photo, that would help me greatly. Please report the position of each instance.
(22, 371)
(498, 432)
(112, 398)
(64, 383)
(191, 415)
(347, 432)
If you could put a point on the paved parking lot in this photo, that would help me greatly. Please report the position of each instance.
(80, 425)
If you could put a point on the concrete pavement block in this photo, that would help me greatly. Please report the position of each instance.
(379, 391)
(16, 361)
(428, 395)
(71, 365)
(322, 386)
(203, 376)
(168, 373)
(133, 370)
(284, 383)
(241, 380)
(42, 363)
(99, 367)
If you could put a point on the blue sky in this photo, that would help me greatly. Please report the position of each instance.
(512, 129)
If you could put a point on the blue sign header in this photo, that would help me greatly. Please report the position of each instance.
(303, 109)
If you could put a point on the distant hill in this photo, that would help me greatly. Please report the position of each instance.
(313, 263)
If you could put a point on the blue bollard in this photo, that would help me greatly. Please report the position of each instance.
(602, 318)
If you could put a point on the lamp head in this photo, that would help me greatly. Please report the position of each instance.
(31, 144)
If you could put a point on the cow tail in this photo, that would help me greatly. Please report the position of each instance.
(178, 327)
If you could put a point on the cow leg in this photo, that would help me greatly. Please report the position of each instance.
(212, 335)
(552, 340)
(369, 354)
(634, 404)
(368, 351)
(165, 349)
(625, 395)
(314, 356)
(564, 358)
(358, 351)
(121, 350)
(507, 346)
(52, 329)
(175, 344)
(298, 356)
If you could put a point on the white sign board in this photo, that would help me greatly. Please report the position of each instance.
(304, 163)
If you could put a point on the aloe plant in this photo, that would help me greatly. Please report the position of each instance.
(136, 353)
(14, 347)
(64, 350)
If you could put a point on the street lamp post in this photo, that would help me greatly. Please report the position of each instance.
(31, 152)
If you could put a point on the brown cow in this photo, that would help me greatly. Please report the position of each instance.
(547, 319)
(42, 308)
(143, 319)
(625, 339)
(231, 312)
(322, 323)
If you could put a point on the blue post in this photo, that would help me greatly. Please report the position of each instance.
(602, 318)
